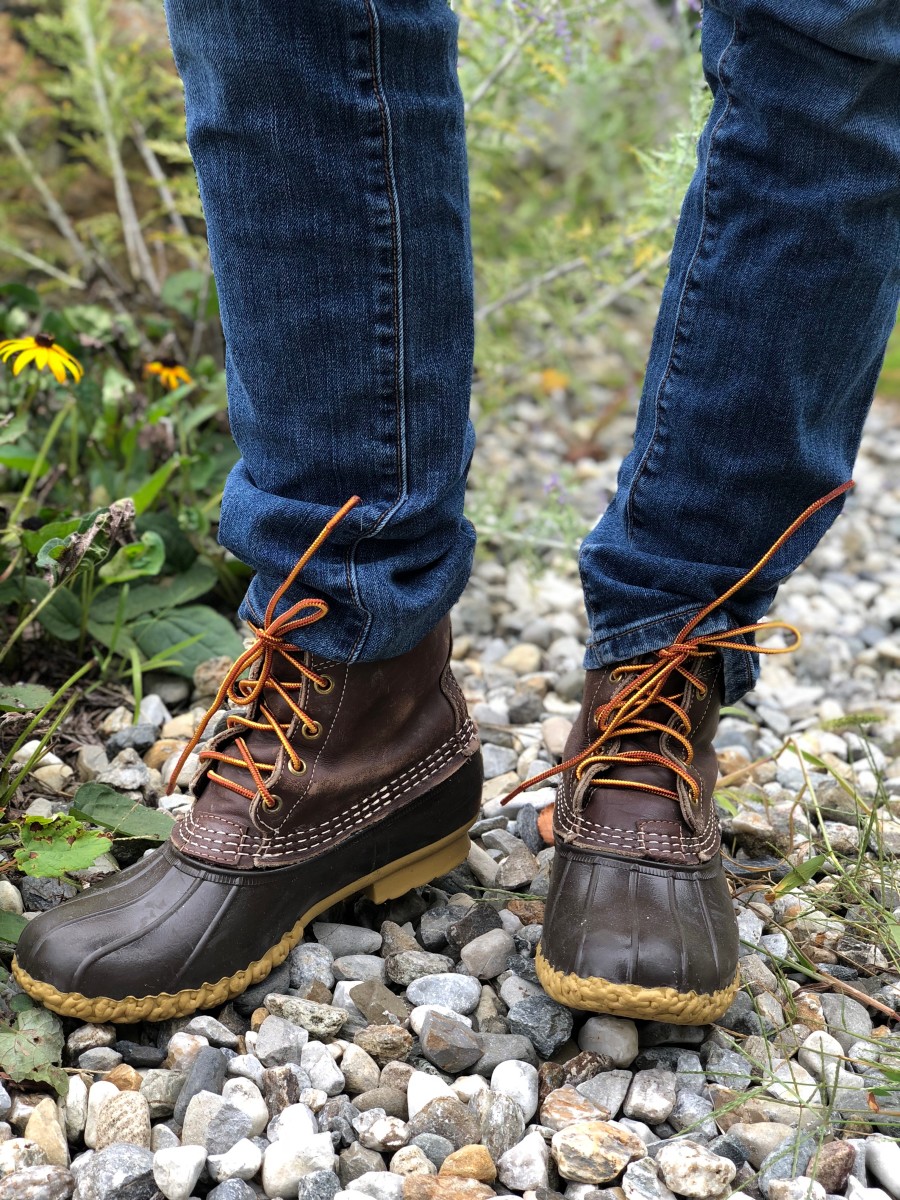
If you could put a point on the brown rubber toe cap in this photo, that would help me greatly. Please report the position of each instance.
(650, 933)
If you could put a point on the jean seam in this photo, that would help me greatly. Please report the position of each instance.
(396, 254)
(679, 332)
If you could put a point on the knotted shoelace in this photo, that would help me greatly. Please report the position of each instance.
(626, 713)
(270, 646)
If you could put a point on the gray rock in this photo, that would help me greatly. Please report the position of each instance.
(206, 1075)
(278, 980)
(433, 1146)
(161, 1090)
(651, 1096)
(518, 869)
(280, 1042)
(407, 966)
(319, 1020)
(788, 1161)
(359, 967)
(547, 1024)
(497, 760)
(883, 1161)
(607, 1090)
(642, 1181)
(458, 992)
(227, 1127)
(485, 956)
(356, 1160)
(311, 961)
(319, 1185)
(341, 940)
(134, 737)
(323, 1071)
(478, 919)
(119, 1172)
(847, 1020)
(336, 1117)
(728, 1068)
(177, 1169)
(233, 1189)
(501, 1047)
(614, 1037)
(214, 1031)
(448, 1118)
(101, 1058)
(448, 1043)
(524, 1166)
(38, 1183)
(502, 1122)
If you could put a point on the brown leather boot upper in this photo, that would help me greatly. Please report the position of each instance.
(377, 736)
(639, 920)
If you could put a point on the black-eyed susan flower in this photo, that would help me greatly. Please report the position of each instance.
(41, 351)
(171, 373)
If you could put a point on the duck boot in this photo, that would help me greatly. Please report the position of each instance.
(331, 779)
(639, 920)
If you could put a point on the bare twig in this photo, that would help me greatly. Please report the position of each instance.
(40, 264)
(136, 248)
(54, 208)
(611, 294)
(505, 62)
(154, 169)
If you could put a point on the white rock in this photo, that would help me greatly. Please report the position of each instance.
(423, 1088)
(792, 1083)
(245, 1095)
(651, 1096)
(519, 1081)
(801, 1188)
(614, 1037)
(286, 1162)
(163, 1138)
(883, 1160)
(242, 1161)
(19, 1153)
(247, 1066)
(10, 898)
(689, 1169)
(822, 1056)
(380, 1185)
(377, 1131)
(467, 1087)
(98, 1094)
(177, 1170)
(412, 1160)
(525, 1164)
(75, 1107)
(200, 1111)
(323, 1071)
(296, 1123)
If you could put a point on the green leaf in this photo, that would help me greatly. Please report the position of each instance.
(168, 592)
(11, 925)
(20, 294)
(34, 539)
(53, 845)
(799, 875)
(30, 1049)
(135, 560)
(158, 634)
(91, 543)
(12, 427)
(144, 496)
(16, 459)
(180, 552)
(103, 805)
(62, 615)
(24, 697)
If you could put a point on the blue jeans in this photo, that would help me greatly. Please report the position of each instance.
(330, 150)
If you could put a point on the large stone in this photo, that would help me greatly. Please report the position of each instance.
(384, 1042)
(613, 1037)
(285, 1163)
(245, 1095)
(460, 993)
(227, 1127)
(847, 1020)
(160, 1089)
(547, 1024)
(651, 1096)
(444, 1187)
(44, 1128)
(595, 1151)
(17, 1154)
(99, 1095)
(207, 1074)
(689, 1169)
(524, 1166)
(280, 1042)
(831, 1166)
(485, 956)
(564, 1106)
(119, 1172)
(502, 1122)
(124, 1118)
(341, 940)
(241, 1162)
(200, 1112)
(38, 1183)
(448, 1043)
(319, 1020)
(642, 1181)
(177, 1170)
(323, 1071)
(883, 1161)
(449, 1119)
(469, 1162)
(519, 1081)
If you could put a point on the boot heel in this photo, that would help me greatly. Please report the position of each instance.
(402, 876)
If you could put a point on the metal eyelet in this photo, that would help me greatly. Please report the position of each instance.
(276, 804)
(317, 731)
(325, 687)
(614, 675)
(301, 770)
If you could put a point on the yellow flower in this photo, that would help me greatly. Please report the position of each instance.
(43, 352)
(553, 380)
(171, 373)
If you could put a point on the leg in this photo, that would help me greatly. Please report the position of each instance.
(330, 153)
(782, 293)
(331, 157)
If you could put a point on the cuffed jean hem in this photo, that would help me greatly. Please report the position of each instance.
(741, 669)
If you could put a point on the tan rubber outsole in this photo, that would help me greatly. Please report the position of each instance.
(628, 1000)
(387, 883)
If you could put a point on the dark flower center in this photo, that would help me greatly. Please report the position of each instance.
(168, 363)
(44, 340)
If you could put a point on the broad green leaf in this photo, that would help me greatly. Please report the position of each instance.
(62, 615)
(34, 539)
(21, 295)
(144, 496)
(157, 634)
(17, 459)
(168, 592)
(13, 428)
(53, 845)
(180, 552)
(799, 875)
(11, 925)
(92, 543)
(135, 560)
(30, 1049)
(24, 697)
(103, 805)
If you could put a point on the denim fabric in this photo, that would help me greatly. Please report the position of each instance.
(782, 292)
(330, 151)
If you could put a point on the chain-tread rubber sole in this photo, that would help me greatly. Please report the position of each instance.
(598, 995)
(387, 883)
